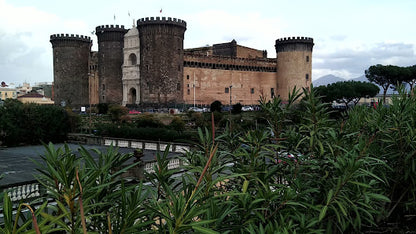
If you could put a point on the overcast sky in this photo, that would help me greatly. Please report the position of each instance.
(349, 35)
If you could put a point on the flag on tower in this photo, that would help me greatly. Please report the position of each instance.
(160, 10)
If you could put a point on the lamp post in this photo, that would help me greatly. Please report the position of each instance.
(230, 97)
(229, 115)
(194, 89)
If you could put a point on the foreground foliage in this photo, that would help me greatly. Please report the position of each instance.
(307, 173)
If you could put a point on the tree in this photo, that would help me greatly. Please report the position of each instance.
(236, 108)
(385, 76)
(347, 92)
(409, 76)
(116, 111)
(216, 106)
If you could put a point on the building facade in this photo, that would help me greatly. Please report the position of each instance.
(148, 66)
(6, 93)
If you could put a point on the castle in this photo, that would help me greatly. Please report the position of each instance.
(148, 66)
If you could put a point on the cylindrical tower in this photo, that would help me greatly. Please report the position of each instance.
(110, 60)
(294, 64)
(161, 60)
(70, 69)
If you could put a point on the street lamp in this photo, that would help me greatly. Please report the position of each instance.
(194, 89)
(230, 94)
(230, 97)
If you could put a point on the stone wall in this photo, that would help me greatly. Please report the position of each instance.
(246, 52)
(93, 78)
(211, 85)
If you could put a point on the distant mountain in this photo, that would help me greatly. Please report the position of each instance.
(326, 80)
(361, 78)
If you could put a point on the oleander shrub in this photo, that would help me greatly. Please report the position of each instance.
(314, 174)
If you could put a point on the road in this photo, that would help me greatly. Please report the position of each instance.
(16, 163)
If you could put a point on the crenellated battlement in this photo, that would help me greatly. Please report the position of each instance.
(110, 28)
(289, 44)
(72, 37)
(287, 40)
(161, 20)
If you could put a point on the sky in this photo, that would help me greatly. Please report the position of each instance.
(349, 35)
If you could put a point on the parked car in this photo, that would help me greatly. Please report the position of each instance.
(284, 157)
(247, 108)
(134, 112)
(195, 109)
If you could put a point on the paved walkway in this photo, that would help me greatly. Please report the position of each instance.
(16, 162)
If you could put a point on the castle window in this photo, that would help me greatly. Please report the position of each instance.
(132, 59)
(189, 91)
(272, 92)
(187, 85)
(178, 86)
(307, 59)
(103, 86)
(252, 90)
(307, 77)
(227, 90)
(179, 67)
(147, 67)
(187, 77)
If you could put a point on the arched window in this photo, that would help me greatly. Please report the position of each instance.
(132, 59)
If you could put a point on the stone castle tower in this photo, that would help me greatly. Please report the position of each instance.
(161, 60)
(147, 66)
(110, 60)
(71, 66)
(294, 63)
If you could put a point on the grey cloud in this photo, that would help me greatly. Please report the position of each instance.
(10, 46)
(19, 62)
(357, 61)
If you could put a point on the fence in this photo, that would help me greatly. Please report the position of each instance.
(31, 190)
(128, 143)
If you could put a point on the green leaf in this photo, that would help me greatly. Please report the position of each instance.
(330, 194)
(379, 197)
(341, 207)
(7, 211)
(245, 186)
(360, 184)
(323, 213)
(204, 230)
